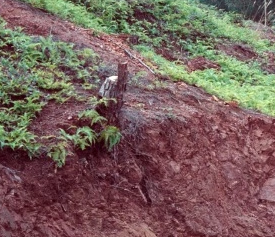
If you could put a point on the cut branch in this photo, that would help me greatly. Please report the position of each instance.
(133, 56)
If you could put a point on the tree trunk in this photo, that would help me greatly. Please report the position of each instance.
(114, 88)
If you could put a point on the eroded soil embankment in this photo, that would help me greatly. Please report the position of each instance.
(209, 168)
(187, 166)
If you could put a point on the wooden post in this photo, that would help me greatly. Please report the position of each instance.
(121, 84)
(114, 87)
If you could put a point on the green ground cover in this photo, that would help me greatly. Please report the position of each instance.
(184, 27)
(35, 71)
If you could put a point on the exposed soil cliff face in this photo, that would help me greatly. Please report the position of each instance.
(188, 165)
(208, 168)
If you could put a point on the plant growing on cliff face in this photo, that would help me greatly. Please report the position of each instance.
(85, 136)
(111, 136)
(59, 153)
(2, 136)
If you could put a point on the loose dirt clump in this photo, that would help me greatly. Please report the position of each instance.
(241, 52)
(244, 53)
(144, 16)
(188, 165)
(201, 63)
(167, 53)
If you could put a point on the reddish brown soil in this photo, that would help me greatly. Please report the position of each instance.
(188, 165)
(244, 53)
(201, 63)
(241, 52)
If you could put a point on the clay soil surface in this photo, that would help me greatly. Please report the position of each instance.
(189, 165)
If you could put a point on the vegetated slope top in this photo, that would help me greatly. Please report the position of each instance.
(171, 33)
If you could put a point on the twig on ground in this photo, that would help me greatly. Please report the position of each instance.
(63, 208)
(133, 56)
(125, 189)
(142, 194)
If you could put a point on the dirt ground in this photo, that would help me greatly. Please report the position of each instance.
(189, 165)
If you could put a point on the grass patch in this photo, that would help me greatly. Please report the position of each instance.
(68, 10)
(243, 82)
(158, 22)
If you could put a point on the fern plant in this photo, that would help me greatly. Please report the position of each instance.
(20, 138)
(93, 115)
(94, 101)
(33, 71)
(83, 138)
(111, 136)
(59, 153)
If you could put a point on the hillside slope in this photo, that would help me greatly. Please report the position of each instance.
(188, 164)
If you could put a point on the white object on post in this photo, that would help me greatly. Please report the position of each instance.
(107, 89)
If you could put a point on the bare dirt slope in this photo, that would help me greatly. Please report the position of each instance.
(189, 165)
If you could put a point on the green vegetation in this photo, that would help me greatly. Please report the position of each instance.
(35, 71)
(192, 29)
(67, 10)
(156, 22)
(236, 81)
